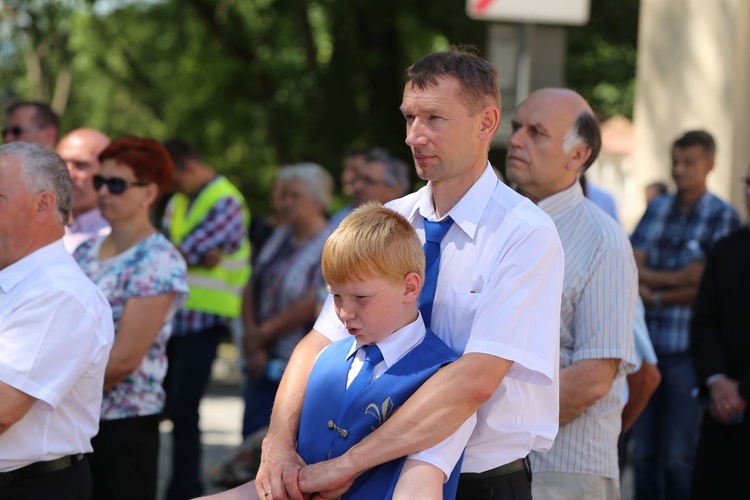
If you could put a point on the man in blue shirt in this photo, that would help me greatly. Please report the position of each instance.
(670, 244)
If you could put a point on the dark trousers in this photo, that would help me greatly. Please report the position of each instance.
(125, 461)
(190, 360)
(722, 462)
(72, 483)
(259, 394)
(665, 434)
(485, 485)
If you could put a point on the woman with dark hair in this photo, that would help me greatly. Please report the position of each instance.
(143, 276)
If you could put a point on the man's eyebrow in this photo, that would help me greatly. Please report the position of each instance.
(537, 125)
(433, 111)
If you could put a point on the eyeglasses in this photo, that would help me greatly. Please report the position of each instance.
(367, 181)
(115, 185)
(17, 130)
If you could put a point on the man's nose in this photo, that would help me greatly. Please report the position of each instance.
(415, 134)
(516, 138)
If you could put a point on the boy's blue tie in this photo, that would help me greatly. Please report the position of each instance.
(433, 233)
(373, 356)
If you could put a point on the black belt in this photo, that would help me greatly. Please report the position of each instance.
(38, 469)
(503, 470)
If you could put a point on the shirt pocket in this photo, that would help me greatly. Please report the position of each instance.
(463, 307)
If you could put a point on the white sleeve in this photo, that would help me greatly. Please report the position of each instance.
(446, 453)
(49, 342)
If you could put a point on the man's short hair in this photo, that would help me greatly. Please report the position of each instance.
(585, 131)
(372, 242)
(43, 170)
(659, 186)
(396, 171)
(478, 78)
(181, 152)
(696, 138)
(44, 115)
(353, 153)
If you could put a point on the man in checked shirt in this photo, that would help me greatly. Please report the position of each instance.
(206, 219)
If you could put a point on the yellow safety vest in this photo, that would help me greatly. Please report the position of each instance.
(217, 290)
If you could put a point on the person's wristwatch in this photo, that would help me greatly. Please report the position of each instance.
(656, 299)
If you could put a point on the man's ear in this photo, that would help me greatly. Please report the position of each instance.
(412, 284)
(711, 163)
(578, 156)
(190, 166)
(490, 122)
(46, 205)
(50, 132)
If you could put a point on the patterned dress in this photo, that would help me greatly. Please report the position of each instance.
(152, 267)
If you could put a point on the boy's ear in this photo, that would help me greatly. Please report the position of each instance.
(412, 287)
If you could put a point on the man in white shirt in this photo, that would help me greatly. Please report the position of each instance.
(80, 151)
(497, 302)
(555, 138)
(55, 334)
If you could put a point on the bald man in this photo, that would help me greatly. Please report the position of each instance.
(80, 150)
(555, 139)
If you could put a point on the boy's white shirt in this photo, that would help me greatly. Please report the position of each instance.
(445, 454)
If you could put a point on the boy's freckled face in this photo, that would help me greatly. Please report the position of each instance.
(370, 309)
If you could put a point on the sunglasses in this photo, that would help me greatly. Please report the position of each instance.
(115, 185)
(18, 130)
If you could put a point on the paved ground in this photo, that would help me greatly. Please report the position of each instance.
(221, 415)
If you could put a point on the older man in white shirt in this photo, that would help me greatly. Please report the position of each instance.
(56, 332)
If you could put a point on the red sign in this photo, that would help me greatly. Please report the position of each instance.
(574, 12)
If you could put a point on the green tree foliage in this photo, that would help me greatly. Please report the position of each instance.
(602, 57)
(256, 84)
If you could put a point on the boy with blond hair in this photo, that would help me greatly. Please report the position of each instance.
(374, 266)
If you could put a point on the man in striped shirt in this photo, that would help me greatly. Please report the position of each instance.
(555, 139)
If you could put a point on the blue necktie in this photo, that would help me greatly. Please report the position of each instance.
(433, 233)
(373, 356)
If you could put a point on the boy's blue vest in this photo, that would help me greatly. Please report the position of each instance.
(327, 430)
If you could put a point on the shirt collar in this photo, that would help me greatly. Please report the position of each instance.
(395, 345)
(21, 269)
(560, 202)
(467, 213)
(88, 222)
(195, 195)
(698, 204)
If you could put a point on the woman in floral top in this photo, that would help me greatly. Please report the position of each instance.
(143, 276)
